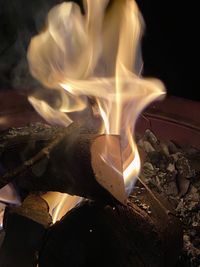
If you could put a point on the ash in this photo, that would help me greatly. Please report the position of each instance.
(174, 172)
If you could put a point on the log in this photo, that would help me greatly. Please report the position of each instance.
(20, 144)
(72, 163)
(94, 234)
(75, 167)
(25, 228)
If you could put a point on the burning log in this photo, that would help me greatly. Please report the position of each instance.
(104, 235)
(25, 228)
(74, 163)
(113, 235)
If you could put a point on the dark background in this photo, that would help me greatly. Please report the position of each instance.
(169, 43)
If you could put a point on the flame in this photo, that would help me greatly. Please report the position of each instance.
(60, 204)
(8, 196)
(96, 54)
(2, 210)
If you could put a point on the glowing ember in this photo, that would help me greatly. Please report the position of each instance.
(95, 55)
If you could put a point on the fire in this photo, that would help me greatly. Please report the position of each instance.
(60, 204)
(96, 54)
(8, 195)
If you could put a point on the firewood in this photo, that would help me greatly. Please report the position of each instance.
(114, 235)
(9, 176)
(75, 166)
(72, 163)
(25, 229)
(23, 135)
(20, 144)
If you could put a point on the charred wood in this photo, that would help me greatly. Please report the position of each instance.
(70, 163)
(105, 235)
(25, 229)
(69, 168)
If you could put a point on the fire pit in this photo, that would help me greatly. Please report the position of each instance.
(72, 187)
(147, 120)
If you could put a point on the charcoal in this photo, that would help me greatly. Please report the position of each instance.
(148, 170)
(150, 136)
(164, 149)
(170, 188)
(148, 147)
(171, 168)
(183, 167)
(177, 178)
(2, 235)
(183, 185)
(173, 149)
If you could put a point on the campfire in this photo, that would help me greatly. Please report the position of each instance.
(70, 200)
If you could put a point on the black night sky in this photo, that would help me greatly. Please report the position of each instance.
(169, 41)
(169, 45)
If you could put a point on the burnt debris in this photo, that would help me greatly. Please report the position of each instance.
(175, 176)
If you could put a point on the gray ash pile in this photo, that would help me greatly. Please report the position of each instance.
(173, 171)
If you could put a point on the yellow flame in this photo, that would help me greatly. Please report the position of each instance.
(131, 164)
(3, 121)
(2, 210)
(97, 55)
(60, 204)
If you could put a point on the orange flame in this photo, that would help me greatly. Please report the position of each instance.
(8, 195)
(96, 55)
(60, 204)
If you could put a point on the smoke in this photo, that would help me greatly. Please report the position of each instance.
(20, 21)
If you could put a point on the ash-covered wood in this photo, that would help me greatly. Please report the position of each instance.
(98, 235)
(25, 229)
(20, 170)
(20, 144)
